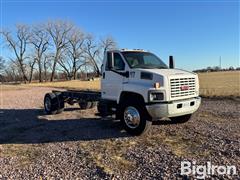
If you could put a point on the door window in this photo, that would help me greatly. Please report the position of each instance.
(118, 61)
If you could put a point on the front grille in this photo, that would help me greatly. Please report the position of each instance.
(181, 87)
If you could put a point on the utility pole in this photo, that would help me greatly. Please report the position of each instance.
(220, 62)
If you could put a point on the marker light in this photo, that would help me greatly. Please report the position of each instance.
(157, 85)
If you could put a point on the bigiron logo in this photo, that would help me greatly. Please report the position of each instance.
(203, 171)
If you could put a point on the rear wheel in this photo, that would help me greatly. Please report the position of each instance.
(94, 104)
(134, 118)
(60, 103)
(50, 103)
(85, 104)
(53, 103)
(181, 119)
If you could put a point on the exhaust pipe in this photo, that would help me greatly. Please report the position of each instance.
(171, 62)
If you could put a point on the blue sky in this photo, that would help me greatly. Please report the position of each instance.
(197, 32)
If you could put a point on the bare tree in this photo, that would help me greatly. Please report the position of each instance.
(2, 64)
(92, 51)
(58, 31)
(73, 59)
(56, 44)
(46, 64)
(108, 43)
(66, 67)
(31, 63)
(12, 72)
(19, 46)
(76, 40)
(40, 41)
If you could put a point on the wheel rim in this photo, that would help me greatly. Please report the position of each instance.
(131, 117)
(47, 104)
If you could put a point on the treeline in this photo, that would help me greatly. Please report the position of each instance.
(216, 69)
(52, 50)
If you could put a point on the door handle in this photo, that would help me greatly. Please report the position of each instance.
(103, 75)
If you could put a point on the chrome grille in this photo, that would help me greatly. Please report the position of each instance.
(178, 83)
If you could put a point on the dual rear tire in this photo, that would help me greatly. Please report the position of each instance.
(53, 103)
(87, 104)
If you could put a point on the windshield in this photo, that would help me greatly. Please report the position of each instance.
(144, 60)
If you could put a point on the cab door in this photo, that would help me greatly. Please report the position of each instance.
(112, 77)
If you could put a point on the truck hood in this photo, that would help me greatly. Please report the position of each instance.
(168, 72)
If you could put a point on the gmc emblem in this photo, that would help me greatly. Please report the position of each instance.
(183, 88)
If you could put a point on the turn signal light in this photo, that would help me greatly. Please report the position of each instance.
(157, 85)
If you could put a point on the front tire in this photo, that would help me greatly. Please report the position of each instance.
(134, 118)
(181, 119)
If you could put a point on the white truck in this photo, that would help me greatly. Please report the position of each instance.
(138, 88)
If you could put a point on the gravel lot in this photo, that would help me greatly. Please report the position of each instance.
(77, 144)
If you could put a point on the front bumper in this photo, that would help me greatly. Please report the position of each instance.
(174, 108)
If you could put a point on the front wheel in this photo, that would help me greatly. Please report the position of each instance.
(134, 119)
(181, 119)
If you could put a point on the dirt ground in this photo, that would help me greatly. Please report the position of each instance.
(79, 144)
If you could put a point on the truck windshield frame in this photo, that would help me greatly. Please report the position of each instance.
(144, 60)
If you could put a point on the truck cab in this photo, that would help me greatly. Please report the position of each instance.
(139, 88)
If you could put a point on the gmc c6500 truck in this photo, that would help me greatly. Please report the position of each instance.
(138, 88)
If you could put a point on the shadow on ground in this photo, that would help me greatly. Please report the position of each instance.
(25, 126)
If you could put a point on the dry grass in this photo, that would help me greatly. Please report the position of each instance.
(111, 155)
(177, 143)
(26, 154)
(75, 84)
(220, 83)
(12, 87)
(211, 84)
(115, 151)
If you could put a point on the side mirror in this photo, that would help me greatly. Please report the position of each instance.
(101, 70)
(171, 62)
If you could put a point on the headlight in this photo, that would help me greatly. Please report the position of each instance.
(156, 96)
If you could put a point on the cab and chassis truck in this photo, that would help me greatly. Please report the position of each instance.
(138, 88)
